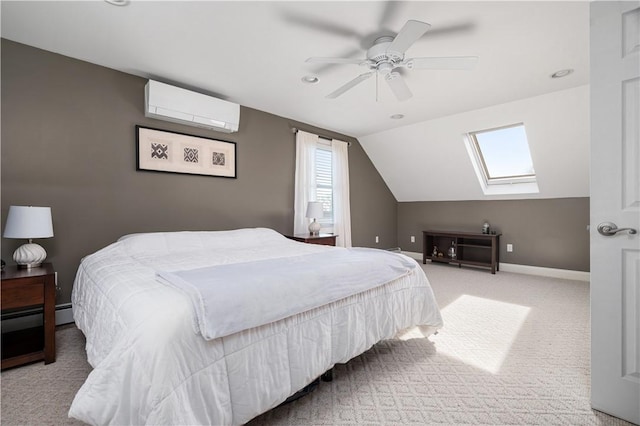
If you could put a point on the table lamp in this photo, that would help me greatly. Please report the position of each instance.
(29, 222)
(314, 211)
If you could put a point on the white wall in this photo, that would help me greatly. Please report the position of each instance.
(428, 161)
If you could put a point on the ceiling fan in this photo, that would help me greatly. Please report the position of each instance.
(387, 56)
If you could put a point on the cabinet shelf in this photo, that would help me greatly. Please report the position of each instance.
(474, 245)
(474, 249)
(442, 259)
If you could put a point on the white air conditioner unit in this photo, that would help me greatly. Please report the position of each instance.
(171, 103)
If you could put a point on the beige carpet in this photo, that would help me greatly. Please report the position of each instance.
(38, 394)
(514, 351)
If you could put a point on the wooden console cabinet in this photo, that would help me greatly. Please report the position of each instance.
(471, 248)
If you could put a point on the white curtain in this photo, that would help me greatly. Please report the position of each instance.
(341, 206)
(305, 179)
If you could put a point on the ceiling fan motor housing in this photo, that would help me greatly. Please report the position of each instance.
(379, 55)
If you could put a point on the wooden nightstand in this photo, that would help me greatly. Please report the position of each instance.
(29, 288)
(322, 239)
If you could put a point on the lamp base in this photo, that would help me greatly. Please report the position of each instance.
(29, 255)
(314, 228)
(30, 266)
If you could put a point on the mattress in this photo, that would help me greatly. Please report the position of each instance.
(151, 367)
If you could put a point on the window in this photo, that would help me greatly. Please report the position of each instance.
(324, 184)
(322, 174)
(501, 157)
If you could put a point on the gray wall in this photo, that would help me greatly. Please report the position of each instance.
(550, 233)
(68, 141)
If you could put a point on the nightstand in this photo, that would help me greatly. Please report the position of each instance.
(23, 289)
(322, 239)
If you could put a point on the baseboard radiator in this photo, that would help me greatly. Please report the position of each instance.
(33, 317)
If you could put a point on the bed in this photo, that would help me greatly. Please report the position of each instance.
(152, 363)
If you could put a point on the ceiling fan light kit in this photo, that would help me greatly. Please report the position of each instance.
(387, 55)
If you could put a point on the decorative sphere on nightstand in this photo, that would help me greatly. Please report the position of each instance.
(314, 228)
(29, 255)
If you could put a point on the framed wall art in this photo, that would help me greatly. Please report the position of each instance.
(164, 151)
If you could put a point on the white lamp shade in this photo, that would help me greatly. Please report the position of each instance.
(28, 222)
(314, 210)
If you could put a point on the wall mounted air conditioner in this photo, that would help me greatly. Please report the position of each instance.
(170, 103)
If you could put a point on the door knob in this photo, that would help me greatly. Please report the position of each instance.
(609, 229)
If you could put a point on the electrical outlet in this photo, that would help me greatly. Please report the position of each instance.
(55, 280)
(413, 238)
(509, 248)
(377, 239)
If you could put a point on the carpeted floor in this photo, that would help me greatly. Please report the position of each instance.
(514, 351)
(38, 394)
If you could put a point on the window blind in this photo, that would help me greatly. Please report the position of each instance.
(324, 184)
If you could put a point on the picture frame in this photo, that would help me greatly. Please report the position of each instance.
(173, 152)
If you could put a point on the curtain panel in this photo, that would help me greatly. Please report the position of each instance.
(305, 179)
(341, 203)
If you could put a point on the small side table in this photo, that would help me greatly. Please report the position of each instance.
(22, 289)
(322, 239)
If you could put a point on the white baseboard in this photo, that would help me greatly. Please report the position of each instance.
(529, 270)
(64, 315)
(566, 274)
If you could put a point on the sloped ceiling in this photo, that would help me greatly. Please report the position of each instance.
(253, 53)
(428, 161)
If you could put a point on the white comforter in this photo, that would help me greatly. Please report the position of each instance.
(151, 368)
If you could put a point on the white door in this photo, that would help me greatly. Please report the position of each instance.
(615, 199)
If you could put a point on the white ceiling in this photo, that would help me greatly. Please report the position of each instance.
(253, 53)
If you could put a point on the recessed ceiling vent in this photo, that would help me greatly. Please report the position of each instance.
(170, 103)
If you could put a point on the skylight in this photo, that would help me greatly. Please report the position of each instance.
(501, 157)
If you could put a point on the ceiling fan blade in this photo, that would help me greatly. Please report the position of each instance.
(321, 68)
(448, 63)
(359, 79)
(388, 13)
(408, 35)
(398, 86)
(450, 30)
(335, 60)
(320, 25)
